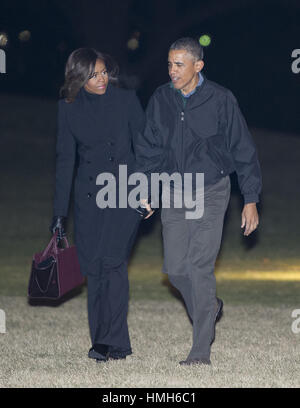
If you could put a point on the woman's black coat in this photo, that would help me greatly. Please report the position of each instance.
(102, 130)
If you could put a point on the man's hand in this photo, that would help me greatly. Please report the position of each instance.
(249, 218)
(145, 204)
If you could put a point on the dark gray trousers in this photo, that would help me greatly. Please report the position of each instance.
(191, 247)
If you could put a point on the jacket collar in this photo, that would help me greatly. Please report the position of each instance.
(202, 94)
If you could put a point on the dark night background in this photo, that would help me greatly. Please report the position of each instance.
(250, 53)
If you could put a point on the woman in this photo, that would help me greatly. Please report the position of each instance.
(99, 123)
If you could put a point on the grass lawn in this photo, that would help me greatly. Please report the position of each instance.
(254, 347)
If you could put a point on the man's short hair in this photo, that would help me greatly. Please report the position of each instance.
(190, 45)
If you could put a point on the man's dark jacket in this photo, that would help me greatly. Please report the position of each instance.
(209, 135)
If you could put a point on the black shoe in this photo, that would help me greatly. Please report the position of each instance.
(117, 357)
(100, 352)
(218, 316)
(195, 361)
(118, 354)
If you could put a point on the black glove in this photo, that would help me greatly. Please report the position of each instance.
(58, 223)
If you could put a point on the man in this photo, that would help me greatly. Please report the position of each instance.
(195, 126)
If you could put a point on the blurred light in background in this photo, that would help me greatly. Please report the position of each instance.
(205, 40)
(3, 39)
(259, 275)
(133, 42)
(24, 35)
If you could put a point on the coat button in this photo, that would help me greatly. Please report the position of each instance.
(111, 159)
(90, 178)
(222, 171)
(111, 143)
(89, 195)
(88, 162)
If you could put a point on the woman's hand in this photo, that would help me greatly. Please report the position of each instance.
(58, 223)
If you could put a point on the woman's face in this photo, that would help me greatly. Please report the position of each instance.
(99, 79)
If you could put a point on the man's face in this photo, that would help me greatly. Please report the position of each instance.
(99, 80)
(183, 70)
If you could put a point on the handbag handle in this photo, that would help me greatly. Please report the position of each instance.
(50, 245)
(65, 241)
(49, 280)
(53, 244)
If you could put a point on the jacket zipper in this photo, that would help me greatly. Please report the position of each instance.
(182, 126)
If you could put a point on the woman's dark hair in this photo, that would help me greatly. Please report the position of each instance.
(79, 68)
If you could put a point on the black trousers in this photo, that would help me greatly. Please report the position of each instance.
(108, 294)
